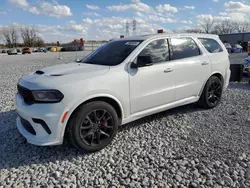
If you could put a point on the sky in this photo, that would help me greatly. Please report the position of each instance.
(65, 20)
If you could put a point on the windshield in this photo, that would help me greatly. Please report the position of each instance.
(112, 53)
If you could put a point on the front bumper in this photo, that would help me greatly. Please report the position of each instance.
(50, 114)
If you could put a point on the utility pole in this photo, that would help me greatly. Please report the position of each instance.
(134, 27)
(127, 28)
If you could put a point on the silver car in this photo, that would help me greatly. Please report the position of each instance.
(12, 52)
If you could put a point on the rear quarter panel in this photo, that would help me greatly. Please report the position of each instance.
(220, 62)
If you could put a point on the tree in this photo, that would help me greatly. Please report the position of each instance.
(193, 31)
(38, 42)
(207, 24)
(9, 35)
(242, 26)
(224, 27)
(29, 35)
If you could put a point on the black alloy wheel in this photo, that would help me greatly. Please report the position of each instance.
(93, 126)
(212, 93)
(96, 127)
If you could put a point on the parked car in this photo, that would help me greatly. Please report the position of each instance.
(12, 52)
(18, 51)
(228, 47)
(42, 49)
(48, 48)
(3, 51)
(35, 50)
(237, 48)
(123, 80)
(26, 51)
(63, 49)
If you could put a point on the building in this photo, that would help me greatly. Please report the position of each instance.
(236, 38)
(88, 45)
(72, 47)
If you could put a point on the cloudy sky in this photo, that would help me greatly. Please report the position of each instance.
(65, 20)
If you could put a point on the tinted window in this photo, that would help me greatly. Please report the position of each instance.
(112, 53)
(183, 48)
(211, 45)
(158, 50)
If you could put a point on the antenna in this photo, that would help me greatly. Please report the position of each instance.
(127, 28)
(134, 27)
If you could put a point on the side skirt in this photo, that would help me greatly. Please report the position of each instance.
(158, 109)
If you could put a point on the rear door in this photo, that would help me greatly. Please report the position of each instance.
(192, 66)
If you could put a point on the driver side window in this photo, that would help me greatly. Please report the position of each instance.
(158, 50)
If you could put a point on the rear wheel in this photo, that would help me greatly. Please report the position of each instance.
(212, 93)
(93, 126)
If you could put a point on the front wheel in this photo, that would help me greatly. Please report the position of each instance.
(212, 93)
(93, 126)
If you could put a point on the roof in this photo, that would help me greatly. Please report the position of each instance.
(145, 37)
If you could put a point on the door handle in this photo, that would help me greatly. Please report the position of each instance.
(204, 63)
(168, 70)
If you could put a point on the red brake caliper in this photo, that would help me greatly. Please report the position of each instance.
(105, 124)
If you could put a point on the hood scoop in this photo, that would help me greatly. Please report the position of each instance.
(39, 72)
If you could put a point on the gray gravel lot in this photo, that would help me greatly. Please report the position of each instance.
(182, 147)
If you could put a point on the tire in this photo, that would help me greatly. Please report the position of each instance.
(210, 99)
(82, 120)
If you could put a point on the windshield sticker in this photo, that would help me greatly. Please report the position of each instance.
(132, 43)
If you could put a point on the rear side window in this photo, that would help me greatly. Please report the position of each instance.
(211, 45)
(183, 48)
(158, 50)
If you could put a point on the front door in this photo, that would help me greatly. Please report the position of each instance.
(152, 86)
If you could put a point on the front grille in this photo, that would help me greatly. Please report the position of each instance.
(28, 126)
(26, 94)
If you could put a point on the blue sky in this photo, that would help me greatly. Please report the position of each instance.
(98, 19)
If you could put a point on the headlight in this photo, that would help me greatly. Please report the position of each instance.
(47, 96)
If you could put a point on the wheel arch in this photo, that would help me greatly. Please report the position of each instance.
(217, 74)
(110, 99)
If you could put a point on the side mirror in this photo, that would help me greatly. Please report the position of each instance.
(142, 61)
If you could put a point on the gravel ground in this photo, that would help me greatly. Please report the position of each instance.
(182, 147)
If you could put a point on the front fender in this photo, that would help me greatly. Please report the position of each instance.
(71, 108)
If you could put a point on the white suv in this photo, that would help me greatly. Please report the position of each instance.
(120, 82)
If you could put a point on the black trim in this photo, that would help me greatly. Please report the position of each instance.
(27, 126)
(43, 124)
(26, 94)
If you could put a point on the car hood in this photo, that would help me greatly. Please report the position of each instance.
(63, 73)
(73, 68)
